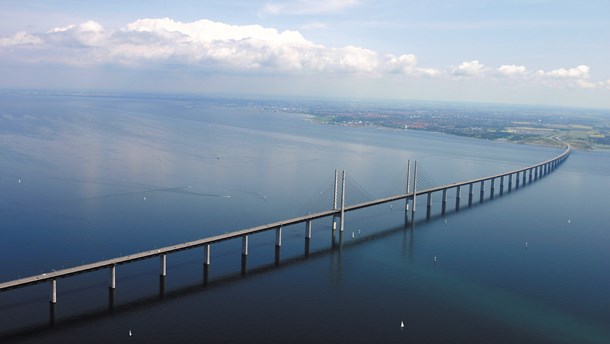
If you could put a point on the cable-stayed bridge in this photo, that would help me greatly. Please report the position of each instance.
(342, 195)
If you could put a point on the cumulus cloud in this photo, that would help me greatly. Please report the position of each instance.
(580, 72)
(407, 64)
(210, 45)
(20, 38)
(469, 68)
(512, 70)
(207, 43)
(305, 7)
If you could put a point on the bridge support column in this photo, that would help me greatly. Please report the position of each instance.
(428, 205)
(336, 193)
(458, 196)
(414, 193)
(278, 236)
(482, 191)
(493, 187)
(408, 184)
(530, 178)
(206, 254)
(470, 187)
(308, 229)
(444, 203)
(342, 225)
(244, 245)
(523, 181)
(501, 185)
(510, 182)
(112, 277)
(163, 262)
(53, 298)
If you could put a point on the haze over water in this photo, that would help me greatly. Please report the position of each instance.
(89, 178)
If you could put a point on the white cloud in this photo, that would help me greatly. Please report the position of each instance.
(407, 64)
(512, 70)
(207, 43)
(306, 7)
(210, 45)
(20, 38)
(580, 72)
(469, 68)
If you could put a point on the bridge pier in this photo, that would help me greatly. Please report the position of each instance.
(206, 254)
(530, 175)
(342, 225)
(414, 193)
(444, 203)
(408, 184)
(458, 196)
(53, 298)
(470, 187)
(163, 262)
(493, 187)
(523, 182)
(278, 236)
(428, 205)
(482, 191)
(502, 185)
(113, 277)
(308, 229)
(244, 245)
(510, 182)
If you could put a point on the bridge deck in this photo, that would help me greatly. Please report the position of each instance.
(236, 234)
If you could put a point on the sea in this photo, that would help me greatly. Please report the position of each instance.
(87, 177)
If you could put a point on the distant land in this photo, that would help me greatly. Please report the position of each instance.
(585, 129)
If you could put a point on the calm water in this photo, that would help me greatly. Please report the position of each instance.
(87, 178)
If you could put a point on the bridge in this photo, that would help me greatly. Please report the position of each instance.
(518, 177)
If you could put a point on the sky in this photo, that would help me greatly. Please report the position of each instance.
(539, 52)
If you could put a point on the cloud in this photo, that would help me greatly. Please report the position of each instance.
(20, 38)
(472, 68)
(406, 64)
(209, 44)
(206, 45)
(512, 70)
(307, 7)
(580, 72)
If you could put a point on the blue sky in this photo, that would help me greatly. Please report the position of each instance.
(511, 51)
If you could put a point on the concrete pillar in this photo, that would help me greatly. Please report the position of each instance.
(523, 181)
(428, 205)
(163, 262)
(112, 277)
(482, 191)
(336, 195)
(458, 196)
(414, 192)
(470, 192)
(444, 203)
(530, 180)
(244, 245)
(53, 291)
(308, 229)
(206, 254)
(493, 185)
(510, 182)
(342, 225)
(408, 184)
(278, 236)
